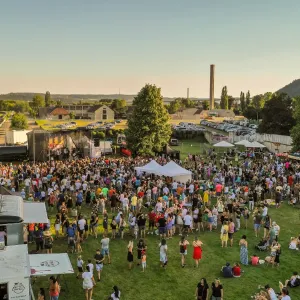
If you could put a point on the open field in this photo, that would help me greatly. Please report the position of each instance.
(180, 283)
(192, 146)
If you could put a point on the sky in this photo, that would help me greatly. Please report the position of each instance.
(107, 46)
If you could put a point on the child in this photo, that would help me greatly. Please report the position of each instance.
(136, 231)
(144, 261)
(78, 246)
(79, 266)
(57, 225)
(91, 266)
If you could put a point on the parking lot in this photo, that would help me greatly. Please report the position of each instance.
(239, 128)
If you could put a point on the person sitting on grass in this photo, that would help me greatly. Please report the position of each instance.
(293, 243)
(254, 260)
(294, 281)
(263, 244)
(227, 271)
(236, 270)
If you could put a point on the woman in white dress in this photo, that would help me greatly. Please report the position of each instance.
(88, 283)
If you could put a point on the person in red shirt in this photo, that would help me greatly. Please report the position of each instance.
(254, 260)
(152, 219)
(140, 194)
(219, 188)
(236, 270)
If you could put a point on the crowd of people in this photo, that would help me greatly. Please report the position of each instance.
(222, 195)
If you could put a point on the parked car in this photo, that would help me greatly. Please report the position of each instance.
(174, 142)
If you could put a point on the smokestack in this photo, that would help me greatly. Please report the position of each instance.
(212, 87)
(188, 93)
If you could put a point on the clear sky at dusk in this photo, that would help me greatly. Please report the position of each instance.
(99, 46)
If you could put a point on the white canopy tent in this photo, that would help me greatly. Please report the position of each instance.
(243, 143)
(223, 144)
(255, 145)
(15, 272)
(151, 168)
(34, 212)
(50, 264)
(175, 171)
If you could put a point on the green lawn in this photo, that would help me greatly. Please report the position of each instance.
(192, 146)
(178, 283)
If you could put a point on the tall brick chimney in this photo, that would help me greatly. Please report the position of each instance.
(212, 87)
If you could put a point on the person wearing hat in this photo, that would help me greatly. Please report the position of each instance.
(227, 271)
(48, 241)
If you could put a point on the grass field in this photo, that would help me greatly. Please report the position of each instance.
(192, 146)
(180, 283)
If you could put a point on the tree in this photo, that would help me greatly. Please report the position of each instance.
(37, 102)
(205, 105)
(295, 132)
(277, 115)
(59, 103)
(258, 102)
(224, 98)
(248, 98)
(230, 102)
(174, 106)
(19, 121)
(118, 104)
(47, 99)
(72, 115)
(242, 101)
(148, 127)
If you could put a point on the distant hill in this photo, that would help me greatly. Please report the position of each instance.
(73, 98)
(292, 89)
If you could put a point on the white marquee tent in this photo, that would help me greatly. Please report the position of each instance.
(223, 144)
(255, 145)
(151, 168)
(243, 143)
(175, 171)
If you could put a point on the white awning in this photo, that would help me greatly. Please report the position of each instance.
(34, 212)
(14, 262)
(50, 264)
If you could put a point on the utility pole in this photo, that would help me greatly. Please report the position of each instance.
(188, 94)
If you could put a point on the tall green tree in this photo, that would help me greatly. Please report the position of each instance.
(47, 99)
(231, 101)
(224, 98)
(248, 98)
(148, 127)
(242, 101)
(258, 102)
(295, 132)
(38, 101)
(19, 121)
(277, 115)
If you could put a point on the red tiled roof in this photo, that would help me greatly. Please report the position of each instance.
(59, 111)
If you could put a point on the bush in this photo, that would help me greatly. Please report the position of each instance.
(19, 121)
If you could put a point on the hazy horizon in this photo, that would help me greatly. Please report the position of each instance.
(99, 47)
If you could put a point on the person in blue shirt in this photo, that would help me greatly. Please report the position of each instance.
(79, 199)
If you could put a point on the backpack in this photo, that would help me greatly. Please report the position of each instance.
(297, 281)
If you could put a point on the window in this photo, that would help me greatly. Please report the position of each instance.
(104, 114)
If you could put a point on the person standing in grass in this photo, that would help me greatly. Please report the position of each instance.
(130, 254)
(244, 250)
(183, 250)
(217, 290)
(163, 249)
(224, 234)
(80, 263)
(88, 283)
(202, 290)
(99, 259)
(197, 254)
(144, 261)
